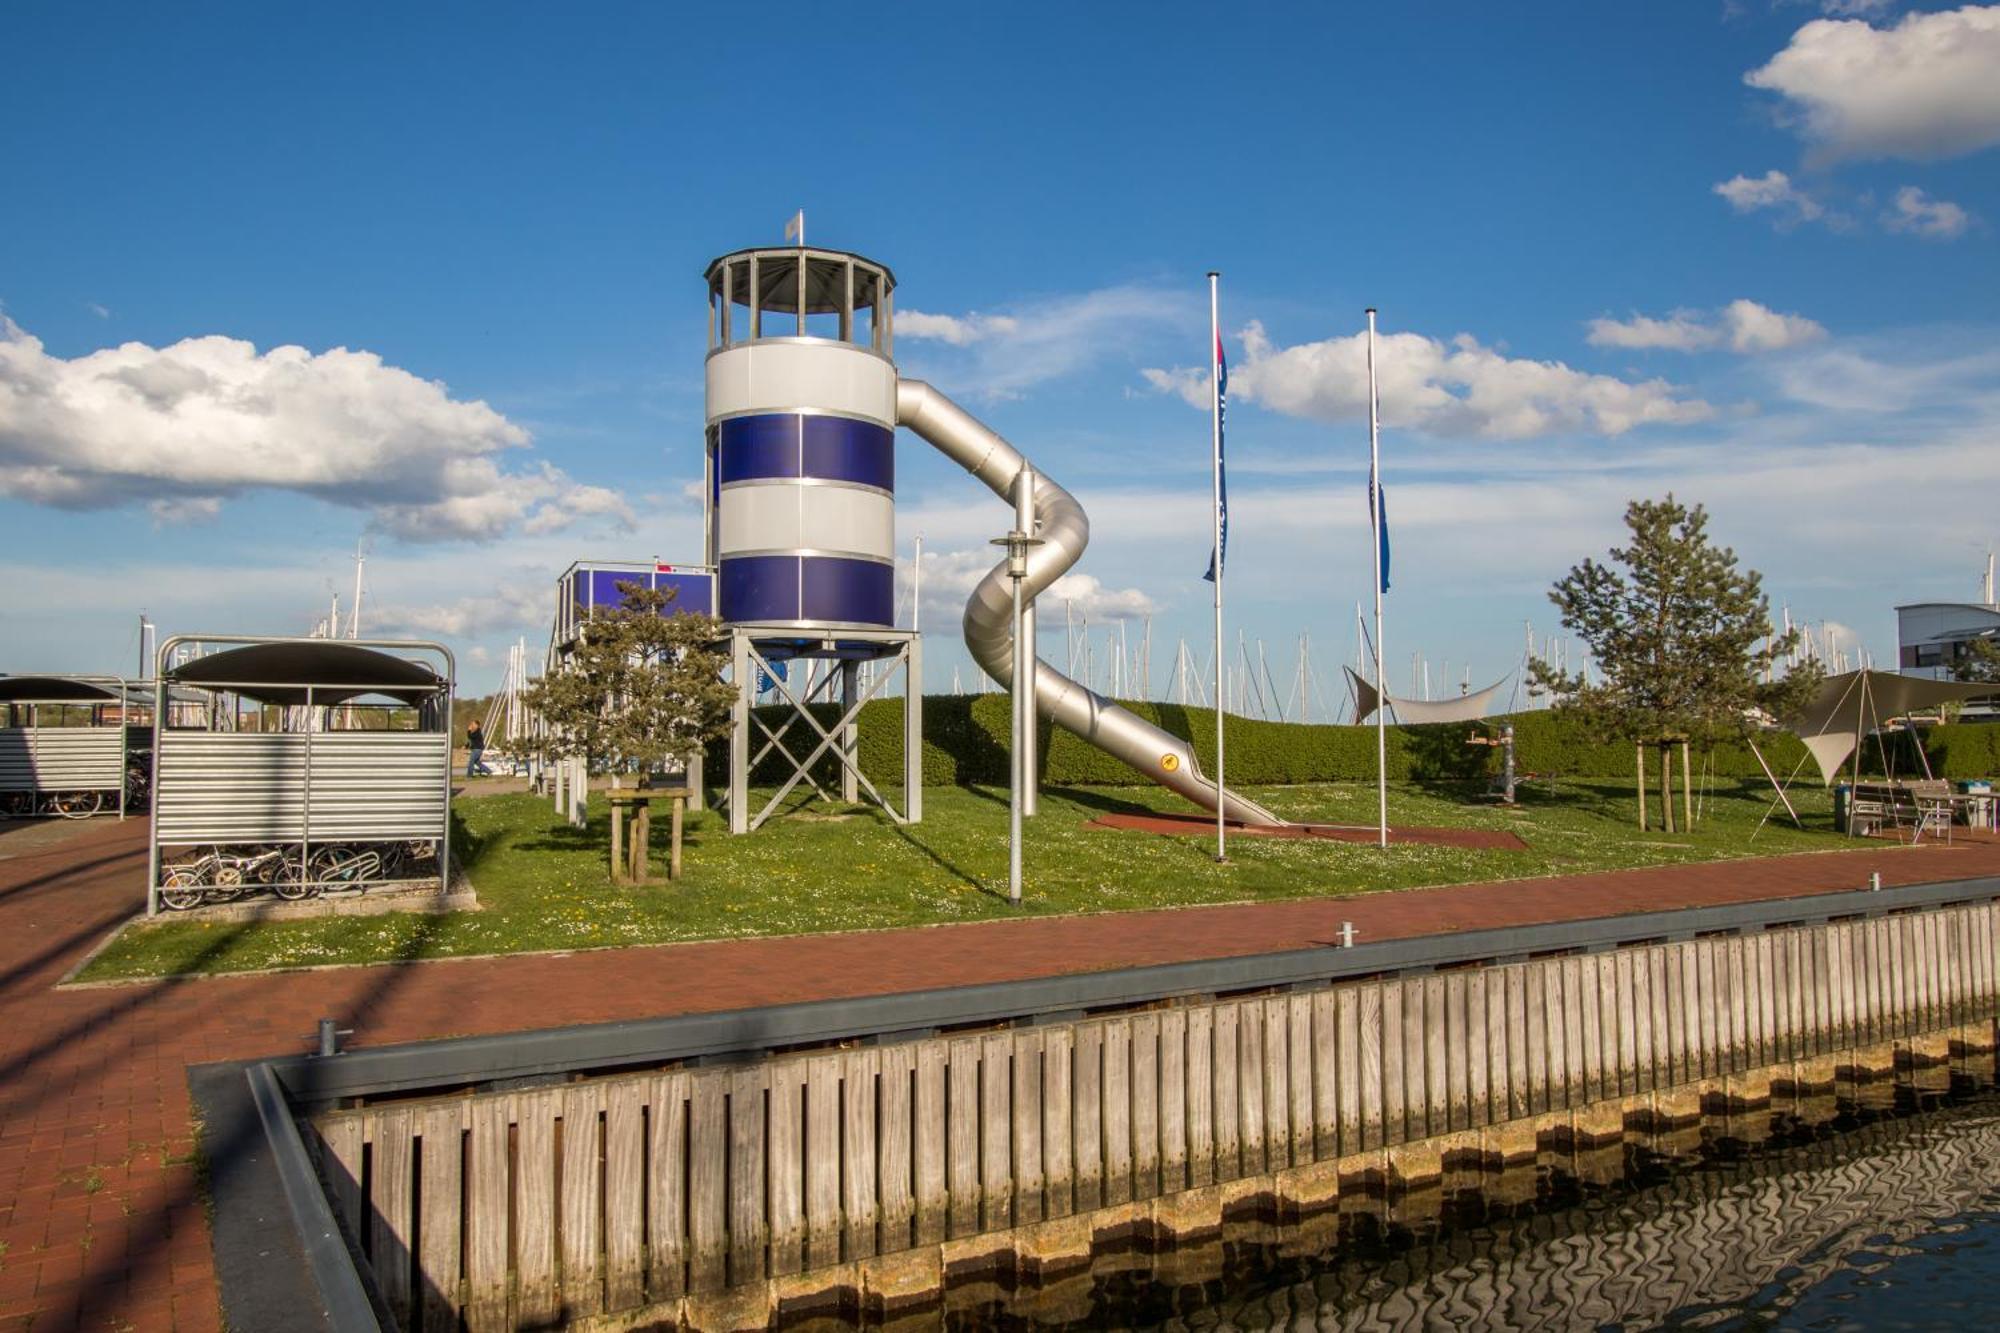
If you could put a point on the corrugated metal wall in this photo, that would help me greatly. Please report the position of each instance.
(251, 787)
(62, 758)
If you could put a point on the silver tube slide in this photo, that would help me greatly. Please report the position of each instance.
(989, 632)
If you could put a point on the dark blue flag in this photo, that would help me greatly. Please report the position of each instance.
(1221, 475)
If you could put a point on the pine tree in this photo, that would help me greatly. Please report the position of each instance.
(641, 687)
(1681, 636)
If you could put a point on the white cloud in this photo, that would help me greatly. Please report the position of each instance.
(1924, 88)
(958, 330)
(1917, 213)
(517, 604)
(1775, 191)
(1743, 326)
(185, 427)
(102, 312)
(1682, 331)
(997, 356)
(950, 577)
(1459, 388)
(1752, 328)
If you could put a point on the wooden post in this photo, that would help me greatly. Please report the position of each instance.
(1639, 757)
(617, 835)
(1687, 790)
(641, 840)
(1666, 787)
(674, 845)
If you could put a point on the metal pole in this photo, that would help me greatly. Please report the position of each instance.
(1024, 676)
(1375, 528)
(1215, 451)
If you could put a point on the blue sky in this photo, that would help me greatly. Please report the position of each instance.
(1780, 216)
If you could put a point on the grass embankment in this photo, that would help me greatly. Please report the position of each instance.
(543, 884)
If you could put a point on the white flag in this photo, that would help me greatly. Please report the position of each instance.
(795, 230)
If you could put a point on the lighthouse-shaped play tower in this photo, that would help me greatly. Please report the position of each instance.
(803, 405)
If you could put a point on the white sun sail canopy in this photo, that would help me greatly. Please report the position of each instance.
(1853, 704)
(1415, 712)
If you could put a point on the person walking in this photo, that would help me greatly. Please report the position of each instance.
(475, 746)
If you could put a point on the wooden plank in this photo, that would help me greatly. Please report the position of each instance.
(1841, 984)
(1688, 959)
(822, 1160)
(1641, 1002)
(487, 1175)
(1027, 1122)
(1347, 1075)
(933, 1190)
(896, 1173)
(1580, 998)
(748, 1232)
(1324, 1054)
(1395, 1123)
(440, 1226)
(1824, 1023)
(996, 1131)
(1477, 1058)
(1628, 1022)
(1276, 1066)
(1416, 1058)
(666, 1186)
(582, 1199)
(785, 1165)
(487, 1183)
(1458, 1057)
(708, 1180)
(1145, 1106)
(859, 1166)
(1088, 1119)
(1789, 944)
(625, 1194)
(1437, 1069)
(1228, 1150)
(535, 1203)
(1534, 1011)
(1909, 1011)
(1369, 1025)
(1173, 1101)
(1709, 996)
(340, 1133)
(1250, 1086)
(962, 1151)
(1117, 1111)
(1058, 1120)
(1662, 1048)
(1767, 999)
(1201, 1095)
(392, 1186)
(1299, 1045)
(1515, 978)
(1555, 1015)
(1499, 1085)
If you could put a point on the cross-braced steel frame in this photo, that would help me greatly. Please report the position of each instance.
(758, 655)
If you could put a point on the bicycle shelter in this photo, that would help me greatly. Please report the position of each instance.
(316, 765)
(51, 764)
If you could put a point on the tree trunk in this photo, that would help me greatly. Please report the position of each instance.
(1687, 791)
(1666, 788)
(674, 845)
(617, 835)
(642, 843)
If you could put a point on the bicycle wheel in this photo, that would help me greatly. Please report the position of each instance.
(79, 804)
(181, 888)
(292, 882)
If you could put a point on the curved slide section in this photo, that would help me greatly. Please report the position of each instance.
(989, 632)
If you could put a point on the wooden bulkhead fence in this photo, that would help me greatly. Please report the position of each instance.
(523, 1208)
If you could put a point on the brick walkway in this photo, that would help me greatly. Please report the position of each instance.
(99, 1210)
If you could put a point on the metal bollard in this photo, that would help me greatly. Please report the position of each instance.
(329, 1037)
(1347, 934)
(1875, 881)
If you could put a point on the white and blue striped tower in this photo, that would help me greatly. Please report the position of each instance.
(801, 440)
(801, 492)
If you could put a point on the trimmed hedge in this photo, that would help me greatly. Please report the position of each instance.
(965, 741)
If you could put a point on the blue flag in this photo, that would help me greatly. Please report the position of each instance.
(1379, 502)
(1222, 476)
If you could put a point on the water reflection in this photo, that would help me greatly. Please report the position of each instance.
(1892, 1221)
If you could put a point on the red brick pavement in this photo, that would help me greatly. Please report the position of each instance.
(99, 1210)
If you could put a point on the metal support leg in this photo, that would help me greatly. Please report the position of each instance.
(850, 731)
(1031, 775)
(739, 733)
(913, 731)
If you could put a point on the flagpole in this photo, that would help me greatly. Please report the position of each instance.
(1375, 527)
(1215, 431)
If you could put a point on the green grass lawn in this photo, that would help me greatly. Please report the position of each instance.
(818, 868)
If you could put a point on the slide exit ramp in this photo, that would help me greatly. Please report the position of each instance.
(989, 614)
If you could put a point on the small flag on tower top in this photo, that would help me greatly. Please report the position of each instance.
(795, 230)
